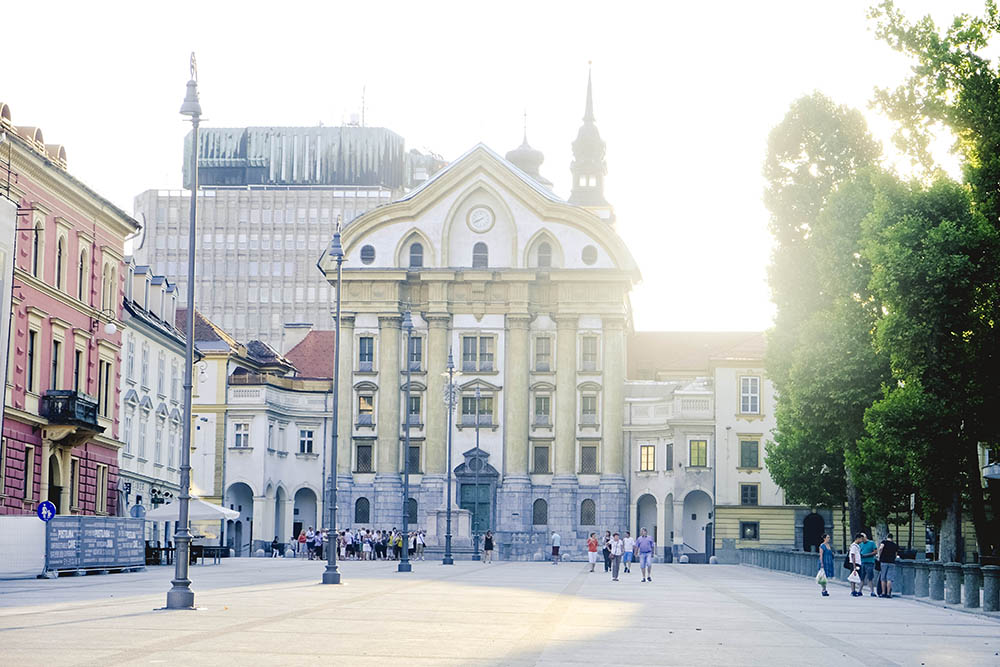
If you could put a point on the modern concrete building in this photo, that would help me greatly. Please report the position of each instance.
(61, 418)
(530, 294)
(150, 390)
(270, 200)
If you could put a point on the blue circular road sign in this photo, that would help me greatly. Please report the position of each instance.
(46, 510)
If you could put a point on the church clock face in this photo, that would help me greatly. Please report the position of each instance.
(480, 219)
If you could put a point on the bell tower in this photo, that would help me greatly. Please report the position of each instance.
(589, 167)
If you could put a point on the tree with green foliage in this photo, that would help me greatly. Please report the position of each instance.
(820, 357)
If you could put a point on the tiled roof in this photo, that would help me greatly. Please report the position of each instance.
(654, 351)
(204, 330)
(313, 356)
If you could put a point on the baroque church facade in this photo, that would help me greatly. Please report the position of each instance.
(527, 294)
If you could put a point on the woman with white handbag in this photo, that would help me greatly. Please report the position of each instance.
(825, 564)
(855, 557)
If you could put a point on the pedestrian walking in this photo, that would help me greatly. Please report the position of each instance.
(302, 542)
(606, 550)
(555, 547)
(592, 550)
(629, 545)
(868, 552)
(854, 559)
(311, 543)
(617, 548)
(488, 547)
(646, 547)
(421, 543)
(887, 552)
(275, 547)
(825, 563)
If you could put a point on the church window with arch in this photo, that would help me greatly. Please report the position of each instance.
(416, 255)
(480, 256)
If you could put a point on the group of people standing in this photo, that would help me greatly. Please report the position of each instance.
(617, 550)
(871, 563)
(366, 544)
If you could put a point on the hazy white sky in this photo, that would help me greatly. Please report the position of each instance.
(684, 93)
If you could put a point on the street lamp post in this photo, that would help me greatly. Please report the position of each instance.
(475, 485)
(332, 575)
(180, 595)
(450, 399)
(404, 563)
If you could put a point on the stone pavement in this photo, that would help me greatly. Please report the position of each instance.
(273, 612)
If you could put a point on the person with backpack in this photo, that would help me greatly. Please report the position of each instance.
(275, 548)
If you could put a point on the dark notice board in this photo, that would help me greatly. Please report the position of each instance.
(94, 542)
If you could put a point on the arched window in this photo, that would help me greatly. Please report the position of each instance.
(544, 254)
(36, 251)
(105, 292)
(416, 255)
(60, 255)
(539, 513)
(362, 511)
(588, 513)
(480, 256)
(82, 275)
(411, 512)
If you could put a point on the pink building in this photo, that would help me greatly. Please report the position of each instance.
(60, 427)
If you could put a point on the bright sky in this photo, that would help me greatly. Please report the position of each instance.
(684, 94)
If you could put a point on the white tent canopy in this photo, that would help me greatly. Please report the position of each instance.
(198, 510)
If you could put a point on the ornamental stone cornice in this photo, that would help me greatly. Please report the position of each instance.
(386, 321)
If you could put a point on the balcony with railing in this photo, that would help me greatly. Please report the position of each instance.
(65, 407)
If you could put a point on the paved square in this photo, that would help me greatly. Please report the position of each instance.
(269, 612)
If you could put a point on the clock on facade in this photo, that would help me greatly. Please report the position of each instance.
(480, 219)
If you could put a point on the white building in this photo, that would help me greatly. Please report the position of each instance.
(152, 372)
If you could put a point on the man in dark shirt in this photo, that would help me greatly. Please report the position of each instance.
(887, 552)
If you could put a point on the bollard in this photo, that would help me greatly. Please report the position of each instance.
(906, 576)
(970, 597)
(991, 588)
(920, 588)
(936, 579)
(953, 583)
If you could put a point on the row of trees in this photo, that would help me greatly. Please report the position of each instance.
(886, 345)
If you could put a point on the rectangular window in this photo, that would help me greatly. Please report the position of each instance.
(543, 410)
(416, 355)
(127, 436)
(414, 411)
(174, 381)
(413, 458)
(470, 410)
(77, 369)
(468, 353)
(588, 353)
(74, 483)
(56, 359)
(142, 438)
(364, 458)
(749, 494)
(366, 410)
(130, 360)
(670, 456)
(3, 464)
(588, 410)
(366, 353)
(750, 395)
(101, 492)
(749, 453)
(242, 434)
(270, 437)
(29, 472)
(543, 354)
(171, 446)
(158, 443)
(104, 392)
(478, 353)
(161, 374)
(282, 442)
(486, 353)
(32, 357)
(749, 530)
(698, 454)
(144, 378)
(588, 459)
(540, 460)
(305, 441)
(647, 458)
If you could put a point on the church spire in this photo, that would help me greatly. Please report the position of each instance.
(589, 167)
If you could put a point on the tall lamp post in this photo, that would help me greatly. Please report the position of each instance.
(331, 575)
(404, 563)
(449, 398)
(475, 484)
(180, 595)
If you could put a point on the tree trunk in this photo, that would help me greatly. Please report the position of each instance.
(951, 530)
(986, 538)
(854, 504)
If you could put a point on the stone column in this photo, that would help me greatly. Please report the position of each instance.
(261, 523)
(388, 500)
(565, 454)
(920, 586)
(514, 496)
(436, 363)
(678, 542)
(345, 406)
(953, 583)
(906, 571)
(936, 578)
(614, 497)
(66, 465)
(970, 597)
(991, 588)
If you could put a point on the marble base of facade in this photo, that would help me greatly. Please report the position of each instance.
(387, 501)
